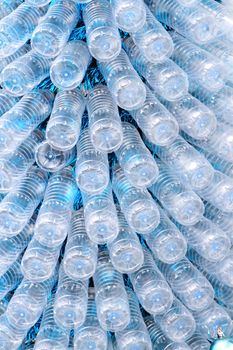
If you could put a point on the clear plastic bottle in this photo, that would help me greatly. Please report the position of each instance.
(166, 242)
(111, 298)
(39, 262)
(159, 340)
(151, 288)
(198, 342)
(8, 59)
(54, 218)
(182, 204)
(17, 27)
(63, 127)
(135, 335)
(38, 3)
(135, 159)
(92, 168)
(177, 323)
(103, 37)
(10, 279)
(24, 73)
(218, 163)
(193, 117)
(50, 335)
(189, 284)
(51, 159)
(14, 165)
(207, 239)
(125, 250)
(202, 68)
(8, 6)
(130, 15)
(17, 124)
(10, 336)
(80, 256)
(51, 35)
(100, 214)
(193, 22)
(191, 166)
(90, 334)
(104, 120)
(155, 121)
(6, 102)
(153, 40)
(124, 82)
(139, 208)
(17, 207)
(70, 66)
(166, 78)
(70, 304)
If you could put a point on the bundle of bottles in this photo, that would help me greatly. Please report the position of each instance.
(116, 174)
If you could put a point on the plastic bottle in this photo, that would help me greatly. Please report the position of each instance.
(8, 59)
(197, 342)
(10, 279)
(103, 38)
(63, 127)
(51, 35)
(124, 82)
(151, 288)
(38, 3)
(125, 250)
(104, 120)
(139, 208)
(8, 6)
(111, 298)
(182, 204)
(166, 78)
(17, 207)
(10, 336)
(80, 256)
(6, 102)
(54, 218)
(92, 169)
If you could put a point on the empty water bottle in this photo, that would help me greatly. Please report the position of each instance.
(69, 68)
(125, 250)
(6, 102)
(177, 323)
(191, 166)
(104, 120)
(103, 38)
(202, 68)
(207, 239)
(135, 335)
(10, 336)
(130, 15)
(27, 303)
(139, 208)
(17, 207)
(151, 288)
(153, 40)
(182, 204)
(194, 22)
(81, 253)
(7, 6)
(166, 78)
(12, 247)
(198, 342)
(8, 59)
(17, 124)
(53, 221)
(159, 340)
(51, 159)
(194, 118)
(70, 304)
(17, 27)
(138, 164)
(24, 73)
(166, 241)
(10, 279)
(39, 261)
(218, 163)
(156, 122)
(50, 36)
(51, 336)
(100, 216)
(90, 334)
(189, 284)
(92, 169)
(14, 165)
(123, 82)
(111, 298)
(209, 320)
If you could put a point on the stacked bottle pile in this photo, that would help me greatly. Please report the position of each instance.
(116, 174)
